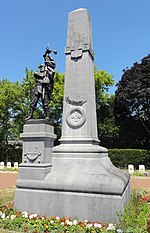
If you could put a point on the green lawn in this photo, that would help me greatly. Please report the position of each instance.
(7, 195)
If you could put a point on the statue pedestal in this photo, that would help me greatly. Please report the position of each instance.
(38, 137)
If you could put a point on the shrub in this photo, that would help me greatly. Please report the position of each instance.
(123, 157)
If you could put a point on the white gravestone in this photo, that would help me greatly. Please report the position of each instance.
(8, 165)
(131, 169)
(141, 169)
(16, 165)
(1, 165)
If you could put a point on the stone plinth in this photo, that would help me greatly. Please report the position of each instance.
(85, 206)
(38, 138)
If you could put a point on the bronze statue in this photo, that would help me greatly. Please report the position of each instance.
(44, 85)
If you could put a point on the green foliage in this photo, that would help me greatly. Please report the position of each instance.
(6, 195)
(27, 86)
(12, 169)
(103, 81)
(10, 153)
(132, 105)
(134, 219)
(56, 104)
(123, 157)
(107, 130)
(10, 108)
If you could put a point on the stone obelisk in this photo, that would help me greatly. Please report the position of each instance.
(80, 166)
(82, 181)
(79, 129)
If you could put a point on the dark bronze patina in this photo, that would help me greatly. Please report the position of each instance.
(44, 85)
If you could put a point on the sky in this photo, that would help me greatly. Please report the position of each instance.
(120, 32)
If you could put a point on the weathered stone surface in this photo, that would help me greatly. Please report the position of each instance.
(85, 206)
(79, 128)
(38, 137)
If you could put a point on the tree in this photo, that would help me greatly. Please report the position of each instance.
(10, 108)
(56, 104)
(132, 105)
(107, 130)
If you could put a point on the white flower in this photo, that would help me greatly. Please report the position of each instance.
(3, 215)
(66, 221)
(32, 216)
(69, 223)
(89, 225)
(111, 227)
(24, 214)
(119, 231)
(62, 223)
(86, 221)
(51, 221)
(75, 222)
(98, 225)
(57, 218)
(12, 217)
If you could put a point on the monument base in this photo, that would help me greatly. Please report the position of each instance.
(87, 188)
(84, 206)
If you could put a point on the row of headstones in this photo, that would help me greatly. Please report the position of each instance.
(8, 165)
(131, 169)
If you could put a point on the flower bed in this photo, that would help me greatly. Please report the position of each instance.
(133, 220)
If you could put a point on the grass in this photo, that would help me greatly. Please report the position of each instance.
(6, 231)
(7, 195)
(12, 169)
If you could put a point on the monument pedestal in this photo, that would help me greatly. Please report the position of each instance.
(38, 138)
(86, 188)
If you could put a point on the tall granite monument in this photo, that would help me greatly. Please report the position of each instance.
(80, 180)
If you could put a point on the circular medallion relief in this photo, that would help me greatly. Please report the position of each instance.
(76, 117)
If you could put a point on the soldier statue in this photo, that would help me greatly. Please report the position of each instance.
(44, 85)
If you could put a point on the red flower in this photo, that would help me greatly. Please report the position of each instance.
(18, 214)
(25, 229)
(144, 199)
